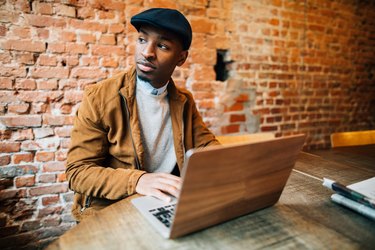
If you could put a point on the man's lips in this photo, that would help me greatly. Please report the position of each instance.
(146, 67)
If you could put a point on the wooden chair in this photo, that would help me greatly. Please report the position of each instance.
(353, 138)
(232, 139)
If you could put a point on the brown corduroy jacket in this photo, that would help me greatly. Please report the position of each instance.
(101, 164)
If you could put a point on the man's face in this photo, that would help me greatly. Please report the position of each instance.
(157, 54)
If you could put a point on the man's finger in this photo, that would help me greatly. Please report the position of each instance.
(160, 195)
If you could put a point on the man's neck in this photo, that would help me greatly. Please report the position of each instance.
(150, 87)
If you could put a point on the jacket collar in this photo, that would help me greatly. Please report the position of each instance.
(128, 90)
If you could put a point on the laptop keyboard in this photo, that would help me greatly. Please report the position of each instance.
(164, 214)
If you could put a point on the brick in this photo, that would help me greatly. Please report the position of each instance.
(25, 181)
(56, 47)
(230, 129)
(6, 71)
(6, 56)
(44, 156)
(47, 60)
(3, 30)
(242, 98)
(50, 84)
(42, 33)
(64, 10)
(268, 128)
(25, 45)
(235, 107)
(28, 84)
(68, 197)
(88, 26)
(12, 171)
(23, 134)
(65, 143)
(43, 132)
(112, 5)
(57, 120)
(274, 22)
(49, 211)
(109, 62)
(44, 21)
(23, 158)
(72, 60)
(21, 32)
(66, 84)
(49, 143)
(33, 96)
(92, 73)
(107, 39)
(38, 108)
(68, 36)
(8, 16)
(3, 109)
(25, 58)
(61, 177)
(4, 160)
(56, 166)
(105, 15)
(6, 83)
(50, 189)
(50, 200)
(47, 178)
(51, 221)
(61, 155)
(85, 13)
(108, 50)
(21, 121)
(42, 8)
(237, 118)
(50, 72)
(64, 131)
(116, 28)
(87, 38)
(74, 48)
(66, 109)
(90, 61)
(203, 25)
(31, 225)
(73, 97)
(8, 97)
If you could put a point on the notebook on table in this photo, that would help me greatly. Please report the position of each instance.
(220, 183)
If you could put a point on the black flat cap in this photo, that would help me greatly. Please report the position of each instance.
(167, 19)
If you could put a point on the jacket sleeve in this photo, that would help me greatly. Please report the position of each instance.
(203, 137)
(89, 147)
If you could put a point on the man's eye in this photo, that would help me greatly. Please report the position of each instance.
(163, 46)
(141, 40)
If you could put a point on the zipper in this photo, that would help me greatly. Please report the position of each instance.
(137, 163)
(87, 203)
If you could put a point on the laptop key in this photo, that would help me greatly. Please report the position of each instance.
(164, 214)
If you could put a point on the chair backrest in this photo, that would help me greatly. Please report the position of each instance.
(231, 139)
(353, 138)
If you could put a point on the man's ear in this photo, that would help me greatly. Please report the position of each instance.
(184, 54)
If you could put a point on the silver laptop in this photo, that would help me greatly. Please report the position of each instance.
(220, 183)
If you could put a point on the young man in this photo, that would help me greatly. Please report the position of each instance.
(131, 131)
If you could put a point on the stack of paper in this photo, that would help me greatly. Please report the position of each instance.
(364, 205)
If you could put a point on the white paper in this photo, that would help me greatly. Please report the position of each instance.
(366, 187)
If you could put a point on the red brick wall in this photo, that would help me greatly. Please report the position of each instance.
(299, 66)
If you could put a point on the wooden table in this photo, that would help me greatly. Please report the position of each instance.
(304, 218)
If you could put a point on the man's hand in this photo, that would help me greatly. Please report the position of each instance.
(159, 185)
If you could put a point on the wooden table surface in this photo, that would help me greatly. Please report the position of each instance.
(304, 218)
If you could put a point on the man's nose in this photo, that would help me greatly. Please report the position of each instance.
(149, 51)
